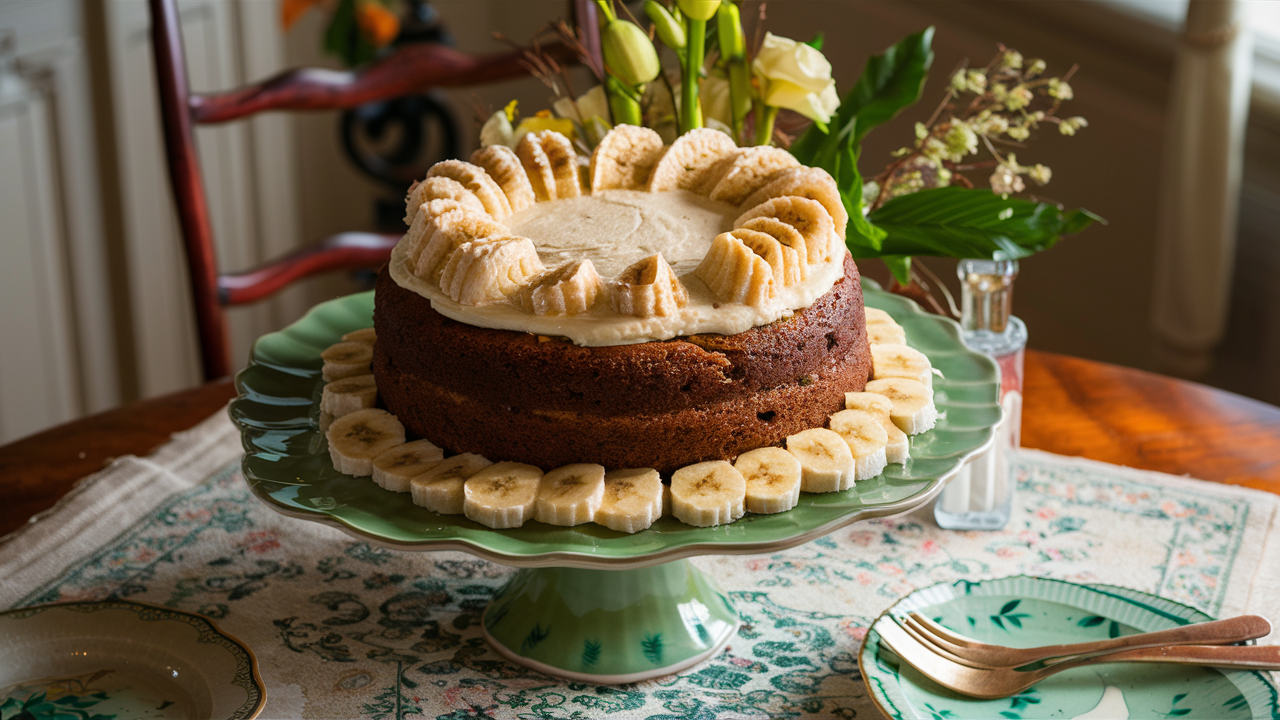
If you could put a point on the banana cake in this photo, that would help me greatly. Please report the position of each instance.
(682, 304)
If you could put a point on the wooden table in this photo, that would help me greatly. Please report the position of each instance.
(1072, 407)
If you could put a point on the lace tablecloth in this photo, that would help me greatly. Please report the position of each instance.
(345, 629)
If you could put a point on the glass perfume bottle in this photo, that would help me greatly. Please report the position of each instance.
(980, 497)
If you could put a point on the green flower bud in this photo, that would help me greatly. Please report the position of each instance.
(629, 53)
(670, 31)
(699, 9)
(733, 46)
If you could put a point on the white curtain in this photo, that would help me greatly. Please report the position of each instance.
(1204, 139)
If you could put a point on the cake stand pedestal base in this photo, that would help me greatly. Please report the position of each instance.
(610, 626)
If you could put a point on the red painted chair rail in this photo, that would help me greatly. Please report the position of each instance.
(413, 68)
(345, 251)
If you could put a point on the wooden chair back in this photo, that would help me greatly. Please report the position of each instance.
(413, 68)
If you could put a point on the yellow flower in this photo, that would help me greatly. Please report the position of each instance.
(544, 121)
(797, 77)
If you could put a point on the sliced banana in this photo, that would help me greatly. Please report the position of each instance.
(806, 216)
(355, 439)
(648, 288)
(867, 440)
(503, 165)
(451, 230)
(736, 274)
(570, 289)
(364, 335)
(624, 159)
(489, 271)
(787, 265)
(431, 217)
(395, 468)
(349, 395)
(692, 162)
(806, 182)
(899, 445)
(551, 164)
(537, 167)
(439, 488)
(570, 495)
(346, 359)
(900, 361)
(786, 236)
(632, 500)
(826, 463)
(501, 495)
(883, 329)
(708, 493)
(751, 168)
(475, 179)
(324, 421)
(439, 188)
(913, 409)
(773, 479)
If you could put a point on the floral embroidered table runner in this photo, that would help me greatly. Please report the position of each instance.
(345, 629)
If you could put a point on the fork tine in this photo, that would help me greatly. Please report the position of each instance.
(911, 623)
(938, 631)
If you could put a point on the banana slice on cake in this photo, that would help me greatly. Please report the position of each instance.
(913, 408)
(806, 182)
(773, 479)
(692, 162)
(735, 273)
(439, 488)
(355, 439)
(489, 271)
(551, 165)
(395, 468)
(503, 165)
(439, 188)
(570, 495)
(346, 359)
(889, 360)
(570, 289)
(428, 220)
(899, 445)
(632, 500)
(349, 395)
(364, 335)
(787, 236)
(751, 168)
(475, 179)
(788, 266)
(826, 462)
(624, 159)
(708, 493)
(806, 216)
(867, 440)
(648, 288)
(451, 230)
(501, 495)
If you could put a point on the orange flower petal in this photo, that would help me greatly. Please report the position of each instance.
(291, 10)
(379, 24)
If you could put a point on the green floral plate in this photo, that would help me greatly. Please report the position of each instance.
(1026, 612)
(118, 659)
(287, 463)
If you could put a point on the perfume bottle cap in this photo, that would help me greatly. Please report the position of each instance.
(986, 293)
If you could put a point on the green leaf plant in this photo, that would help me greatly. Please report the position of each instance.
(952, 221)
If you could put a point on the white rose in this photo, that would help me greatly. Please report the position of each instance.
(797, 77)
(592, 104)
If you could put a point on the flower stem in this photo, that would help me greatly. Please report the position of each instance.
(690, 110)
(764, 130)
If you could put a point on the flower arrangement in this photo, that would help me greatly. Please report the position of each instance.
(357, 29)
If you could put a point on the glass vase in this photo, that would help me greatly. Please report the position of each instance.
(980, 496)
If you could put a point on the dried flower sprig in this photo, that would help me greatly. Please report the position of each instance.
(982, 110)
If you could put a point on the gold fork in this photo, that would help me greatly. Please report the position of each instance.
(993, 683)
(973, 653)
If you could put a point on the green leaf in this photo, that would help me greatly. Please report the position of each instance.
(972, 223)
(1009, 607)
(900, 266)
(344, 38)
(816, 42)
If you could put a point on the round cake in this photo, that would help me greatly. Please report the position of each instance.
(692, 302)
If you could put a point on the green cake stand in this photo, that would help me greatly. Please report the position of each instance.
(589, 603)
